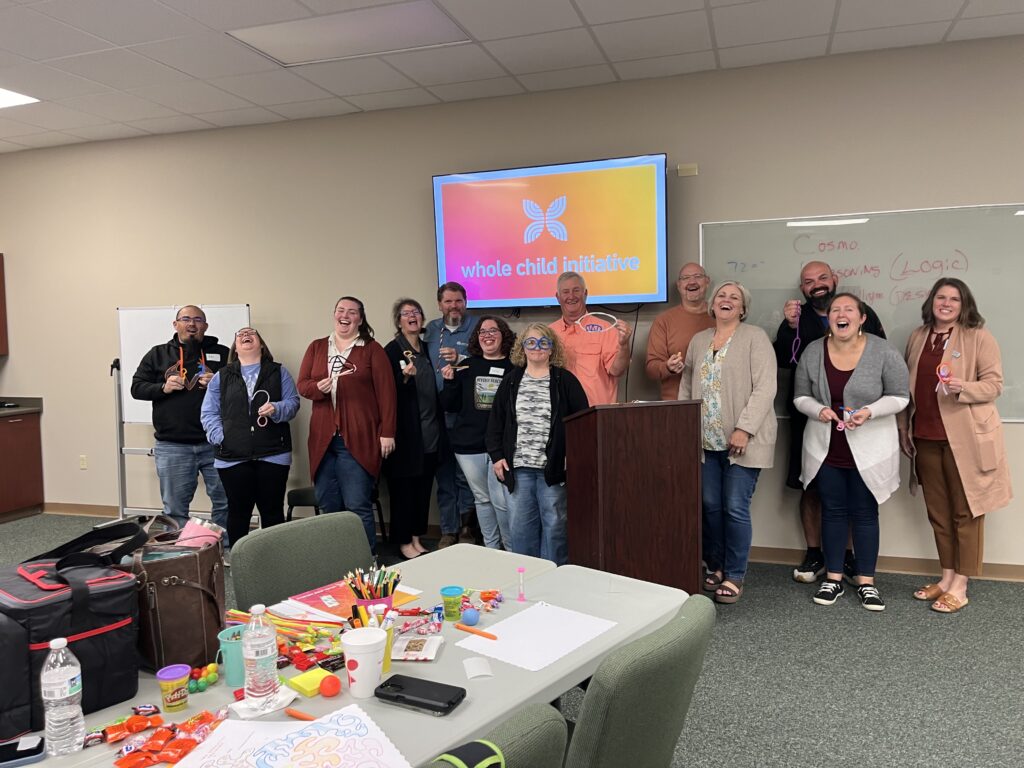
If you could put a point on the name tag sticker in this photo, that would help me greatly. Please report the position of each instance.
(214, 356)
(497, 371)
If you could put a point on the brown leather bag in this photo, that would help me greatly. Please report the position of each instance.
(181, 601)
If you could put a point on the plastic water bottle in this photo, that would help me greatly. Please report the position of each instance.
(259, 654)
(61, 684)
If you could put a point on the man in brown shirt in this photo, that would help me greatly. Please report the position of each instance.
(672, 330)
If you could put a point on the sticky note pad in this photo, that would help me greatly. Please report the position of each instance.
(308, 683)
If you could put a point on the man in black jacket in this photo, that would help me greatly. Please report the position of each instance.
(174, 376)
(802, 324)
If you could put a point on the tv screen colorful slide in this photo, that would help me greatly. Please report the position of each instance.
(507, 235)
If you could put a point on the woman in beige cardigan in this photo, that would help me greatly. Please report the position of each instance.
(953, 434)
(731, 369)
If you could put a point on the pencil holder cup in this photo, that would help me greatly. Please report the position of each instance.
(387, 602)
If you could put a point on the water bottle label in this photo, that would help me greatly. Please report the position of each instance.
(60, 689)
(262, 653)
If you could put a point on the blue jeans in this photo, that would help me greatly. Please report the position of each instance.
(342, 483)
(846, 503)
(537, 512)
(490, 496)
(453, 494)
(178, 466)
(726, 491)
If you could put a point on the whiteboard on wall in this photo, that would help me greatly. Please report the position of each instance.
(142, 328)
(891, 260)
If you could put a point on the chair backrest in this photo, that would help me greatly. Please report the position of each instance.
(274, 563)
(533, 737)
(636, 703)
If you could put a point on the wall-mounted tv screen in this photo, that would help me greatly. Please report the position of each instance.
(506, 235)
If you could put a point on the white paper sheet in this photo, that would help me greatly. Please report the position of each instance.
(538, 636)
(234, 741)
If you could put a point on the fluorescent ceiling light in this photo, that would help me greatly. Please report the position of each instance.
(12, 99)
(825, 222)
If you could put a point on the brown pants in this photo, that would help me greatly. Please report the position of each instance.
(959, 536)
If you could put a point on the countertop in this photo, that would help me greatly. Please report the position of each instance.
(26, 405)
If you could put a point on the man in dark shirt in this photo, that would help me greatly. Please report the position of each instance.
(802, 324)
(174, 376)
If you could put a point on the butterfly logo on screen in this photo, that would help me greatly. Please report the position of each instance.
(542, 220)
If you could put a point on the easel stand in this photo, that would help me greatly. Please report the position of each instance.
(123, 510)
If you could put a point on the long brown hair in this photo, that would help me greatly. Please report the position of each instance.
(970, 317)
(508, 337)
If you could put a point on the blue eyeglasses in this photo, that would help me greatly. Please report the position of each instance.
(542, 343)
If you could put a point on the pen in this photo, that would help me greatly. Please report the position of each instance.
(475, 631)
(297, 714)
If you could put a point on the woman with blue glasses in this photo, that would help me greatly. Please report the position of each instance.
(526, 441)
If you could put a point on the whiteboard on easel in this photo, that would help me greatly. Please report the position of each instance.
(142, 328)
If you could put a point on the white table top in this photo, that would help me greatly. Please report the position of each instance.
(637, 607)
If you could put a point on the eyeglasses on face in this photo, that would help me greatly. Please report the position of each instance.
(410, 313)
(246, 333)
(694, 276)
(490, 332)
(541, 343)
(187, 320)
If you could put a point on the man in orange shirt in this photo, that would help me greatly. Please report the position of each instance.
(598, 353)
(672, 330)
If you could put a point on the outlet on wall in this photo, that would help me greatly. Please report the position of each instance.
(83, 461)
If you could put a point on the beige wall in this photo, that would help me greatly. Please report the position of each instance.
(289, 216)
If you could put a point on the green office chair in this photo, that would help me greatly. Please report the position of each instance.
(636, 703)
(274, 563)
(533, 737)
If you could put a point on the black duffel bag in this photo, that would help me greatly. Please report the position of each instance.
(78, 595)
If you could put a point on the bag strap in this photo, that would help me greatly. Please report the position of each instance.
(133, 534)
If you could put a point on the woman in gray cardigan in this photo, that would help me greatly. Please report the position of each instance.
(731, 368)
(851, 385)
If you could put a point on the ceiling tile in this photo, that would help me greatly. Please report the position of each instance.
(191, 97)
(176, 124)
(268, 88)
(236, 14)
(569, 78)
(479, 89)
(872, 14)
(47, 84)
(320, 108)
(119, 69)
(14, 128)
(233, 117)
(6, 146)
(988, 26)
(722, 3)
(8, 59)
(37, 37)
(891, 37)
(450, 64)
(414, 97)
(124, 22)
(355, 33)
(47, 139)
(665, 66)
(351, 76)
(766, 53)
(991, 7)
(55, 117)
(491, 19)
(772, 20)
(207, 55)
(337, 6)
(550, 50)
(604, 11)
(648, 38)
(120, 107)
(106, 132)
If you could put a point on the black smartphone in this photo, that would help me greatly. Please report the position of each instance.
(32, 750)
(421, 695)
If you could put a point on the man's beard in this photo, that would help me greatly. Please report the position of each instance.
(820, 302)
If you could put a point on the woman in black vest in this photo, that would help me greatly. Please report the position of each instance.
(248, 405)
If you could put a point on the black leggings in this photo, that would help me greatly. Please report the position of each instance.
(259, 484)
(410, 501)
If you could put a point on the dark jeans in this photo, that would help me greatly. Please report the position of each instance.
(259, 484)
(410, 501)
(342, 483)
(847, 503)
(454, 496)
(726, 491)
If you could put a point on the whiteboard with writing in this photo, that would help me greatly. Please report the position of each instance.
(891, 260)
(142, 328)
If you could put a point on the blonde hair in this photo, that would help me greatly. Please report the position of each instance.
(518, 356)
(743, 292)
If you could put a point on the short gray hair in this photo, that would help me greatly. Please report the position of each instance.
(743, 292)
(567, 276)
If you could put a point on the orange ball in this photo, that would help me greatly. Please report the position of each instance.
(330, 687)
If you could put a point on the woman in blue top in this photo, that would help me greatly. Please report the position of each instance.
(245, 413)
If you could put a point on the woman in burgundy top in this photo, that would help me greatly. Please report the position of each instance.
(352, 428)
(954, 435)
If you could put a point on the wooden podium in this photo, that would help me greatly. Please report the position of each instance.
(633, 485)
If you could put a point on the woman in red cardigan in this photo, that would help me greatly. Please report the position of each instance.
(348, 378)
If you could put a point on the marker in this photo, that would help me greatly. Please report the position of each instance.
(475, 631)
(297, 714)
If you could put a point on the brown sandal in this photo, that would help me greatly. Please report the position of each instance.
(728, 595)
(711, 581)
(950, 603)
(929, 592)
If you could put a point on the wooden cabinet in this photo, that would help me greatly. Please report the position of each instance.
(21, 462)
